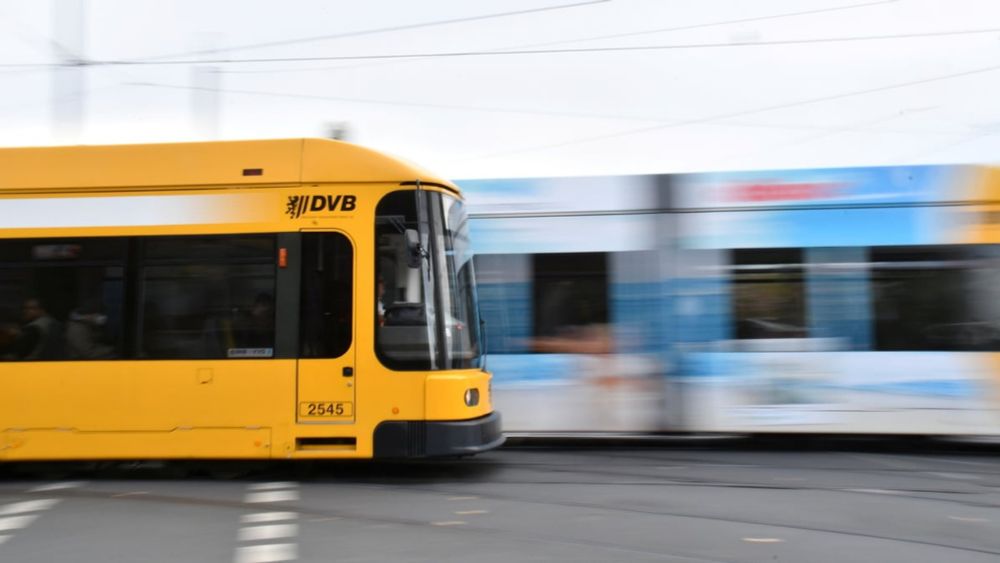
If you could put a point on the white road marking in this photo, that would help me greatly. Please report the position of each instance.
(28, 506)
(16, 522)
(17, 515)
(272, 496)
(968, 519)
(960, 476)
(130, 494)
(57, 486)
(725, 465)
(265, 526)
(266, 553)
(463, 498)
(945, 460)
(273, 486)
(874, 491)
(881, 460)
(448, 523)
(259, 517)
(467, 512)
(268, 532)
(763, 540)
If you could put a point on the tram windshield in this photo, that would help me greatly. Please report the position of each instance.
(426, 311)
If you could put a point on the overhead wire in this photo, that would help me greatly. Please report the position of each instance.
(516, 111)
(687, 27)
(308, 39)
(581, 50)
(520, 51)
(19, 67)
(923, 154)
(799, 141)
(752, 19)
(360, 33)
(743, 113)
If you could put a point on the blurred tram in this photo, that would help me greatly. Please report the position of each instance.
(857, 300)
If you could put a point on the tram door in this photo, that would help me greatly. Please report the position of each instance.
(326, 369)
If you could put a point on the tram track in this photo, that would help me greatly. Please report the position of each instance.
(239, 507)
(435, 486)
(326, 514)
(694, 516)
(515, 481)
(673, 481)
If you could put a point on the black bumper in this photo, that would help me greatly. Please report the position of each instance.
(421, 438)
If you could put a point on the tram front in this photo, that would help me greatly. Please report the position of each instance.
(427, 326)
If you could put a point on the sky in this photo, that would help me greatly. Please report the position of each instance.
(515, 88)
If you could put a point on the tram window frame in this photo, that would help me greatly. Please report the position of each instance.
(767, 269)
(505, 301)
(933, 298)
(560, 283)
(426, 315)
(80, 283)
(329, 334)
(243, 328)
(405, 304)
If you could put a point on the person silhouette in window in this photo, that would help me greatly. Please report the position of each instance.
(86, 334)
(40, 336)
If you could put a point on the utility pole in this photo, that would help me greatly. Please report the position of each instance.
(68, 98)
(206, 85)
(205, 106)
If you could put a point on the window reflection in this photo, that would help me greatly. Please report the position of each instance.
(61, 299)
(425, 307)
(768, 294)
(936, 298)
(208, 297)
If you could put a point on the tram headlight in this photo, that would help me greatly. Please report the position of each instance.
(471, 397)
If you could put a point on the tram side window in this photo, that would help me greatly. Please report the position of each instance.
(207, 297)
(936, 298)
(505, 301)
(405, 337)
(768, 293)
(326, 311)
(571, 302)
(61, 299)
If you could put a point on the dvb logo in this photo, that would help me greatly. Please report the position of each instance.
(300, 204)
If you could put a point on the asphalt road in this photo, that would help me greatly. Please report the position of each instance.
(658, 503)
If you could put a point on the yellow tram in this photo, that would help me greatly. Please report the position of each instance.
(298, 298)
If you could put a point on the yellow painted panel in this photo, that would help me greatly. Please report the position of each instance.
(327, 161)
(241, 443)
(321, 382)
(981, 223)
(116, 166)
(446, 395)
(236, 163)
(147, 396)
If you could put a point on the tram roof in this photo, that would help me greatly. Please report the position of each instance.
(221, 163)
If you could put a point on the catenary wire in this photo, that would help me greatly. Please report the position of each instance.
(582, 50)
(523, 111)
(360, 33)
(743, 113)
(653, 31)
